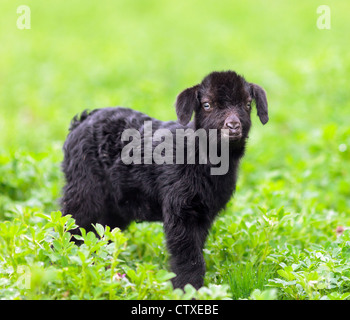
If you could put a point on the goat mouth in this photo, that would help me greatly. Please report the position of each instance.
(233, 136)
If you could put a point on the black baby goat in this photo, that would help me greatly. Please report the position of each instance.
(103, 188)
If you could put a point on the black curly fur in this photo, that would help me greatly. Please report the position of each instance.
(100, 188)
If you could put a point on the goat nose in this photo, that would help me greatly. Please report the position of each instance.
(233, 125)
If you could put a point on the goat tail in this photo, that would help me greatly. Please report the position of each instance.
(79, 118)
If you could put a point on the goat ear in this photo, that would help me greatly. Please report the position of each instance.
(185, 103)
(259, 96)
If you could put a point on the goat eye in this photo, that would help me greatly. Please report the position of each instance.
(248, 106)
(206, 106)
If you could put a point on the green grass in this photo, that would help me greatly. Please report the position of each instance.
(277, 237)
(246, 276)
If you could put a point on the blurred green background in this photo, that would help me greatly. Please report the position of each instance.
(141, 54)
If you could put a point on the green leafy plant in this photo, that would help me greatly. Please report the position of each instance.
(322, 273)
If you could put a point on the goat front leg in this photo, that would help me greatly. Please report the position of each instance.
(185, 237)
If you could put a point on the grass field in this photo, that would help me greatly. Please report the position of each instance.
(284, 234)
